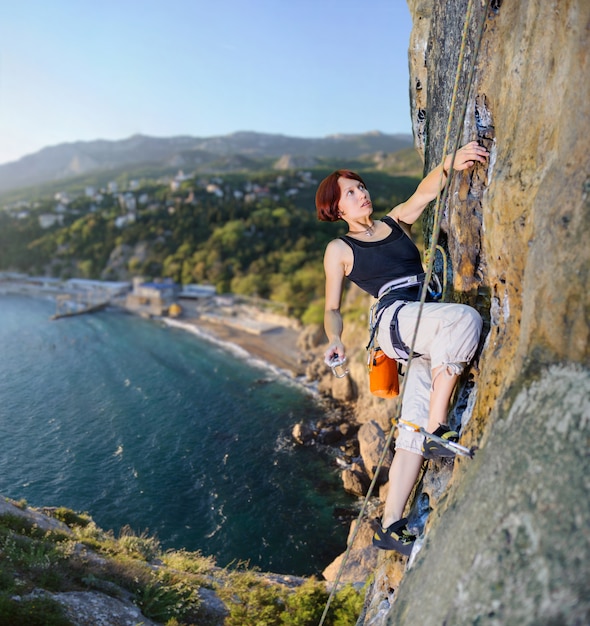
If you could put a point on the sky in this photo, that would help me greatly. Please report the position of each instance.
(80, 70)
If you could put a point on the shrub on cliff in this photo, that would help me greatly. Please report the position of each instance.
(40, 561)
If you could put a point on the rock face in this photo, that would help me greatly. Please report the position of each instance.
(508, 541)
(372, 441)
(88, 608)
(512, 544)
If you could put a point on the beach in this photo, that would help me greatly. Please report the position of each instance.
(278, 346)
(245, 331)
(270, 342)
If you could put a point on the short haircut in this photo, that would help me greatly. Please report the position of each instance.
(327, 196)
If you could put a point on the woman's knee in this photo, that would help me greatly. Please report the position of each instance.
(470, 315)
(470, 322)
(458, 340)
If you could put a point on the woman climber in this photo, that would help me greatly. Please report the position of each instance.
(380, 257)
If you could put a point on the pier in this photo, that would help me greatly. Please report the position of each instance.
(68, 304)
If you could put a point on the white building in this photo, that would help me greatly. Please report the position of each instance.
(47, 220)
(152, 298)
(214, 189)
(125, 220)
(62, 196)
(127, 201)
(197, 291)
(108, 288)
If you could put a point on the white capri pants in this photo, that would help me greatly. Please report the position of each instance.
(448, 335)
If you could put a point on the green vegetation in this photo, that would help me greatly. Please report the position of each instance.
(250, 233)
(257, 601)
(164, 585)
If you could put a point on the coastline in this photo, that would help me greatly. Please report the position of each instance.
(241, 331)
(274, 349)
(161, 410)
(270, 343)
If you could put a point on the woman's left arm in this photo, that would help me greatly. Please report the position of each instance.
(466, 156)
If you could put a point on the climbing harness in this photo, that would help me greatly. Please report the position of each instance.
(375, 315)
(400, 283)
(440, 200)
(387, 297)
(401, 349)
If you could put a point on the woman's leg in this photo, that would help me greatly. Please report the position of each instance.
(406, 464)
(403, 474)
(443, 384)
(408, 459)
(448, 336)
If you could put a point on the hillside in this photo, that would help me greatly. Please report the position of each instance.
(235, 151)
(58, 568)
(186, 226)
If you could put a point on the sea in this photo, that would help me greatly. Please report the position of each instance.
(148, 426)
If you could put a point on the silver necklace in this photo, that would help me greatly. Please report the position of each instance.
(369, 231)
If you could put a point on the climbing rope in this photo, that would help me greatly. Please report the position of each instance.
(440, 202)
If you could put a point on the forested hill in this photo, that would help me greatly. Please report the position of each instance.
(57, 163)
(250, 232)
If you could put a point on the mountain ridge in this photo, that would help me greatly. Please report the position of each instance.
(54, 163)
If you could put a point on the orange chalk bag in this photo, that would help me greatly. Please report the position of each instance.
(383, 374)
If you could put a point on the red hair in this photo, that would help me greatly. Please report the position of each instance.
(327, 196)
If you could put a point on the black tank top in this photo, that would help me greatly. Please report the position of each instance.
(379, 262)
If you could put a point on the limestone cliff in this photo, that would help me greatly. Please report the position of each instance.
(508, 542)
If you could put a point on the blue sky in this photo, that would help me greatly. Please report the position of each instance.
(107, 69)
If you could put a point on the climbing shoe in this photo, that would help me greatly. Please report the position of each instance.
(396, 537)
(433, 449)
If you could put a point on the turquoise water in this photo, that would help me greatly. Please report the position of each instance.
(148, 426)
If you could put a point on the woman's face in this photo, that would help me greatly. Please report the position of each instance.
(355, 201)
